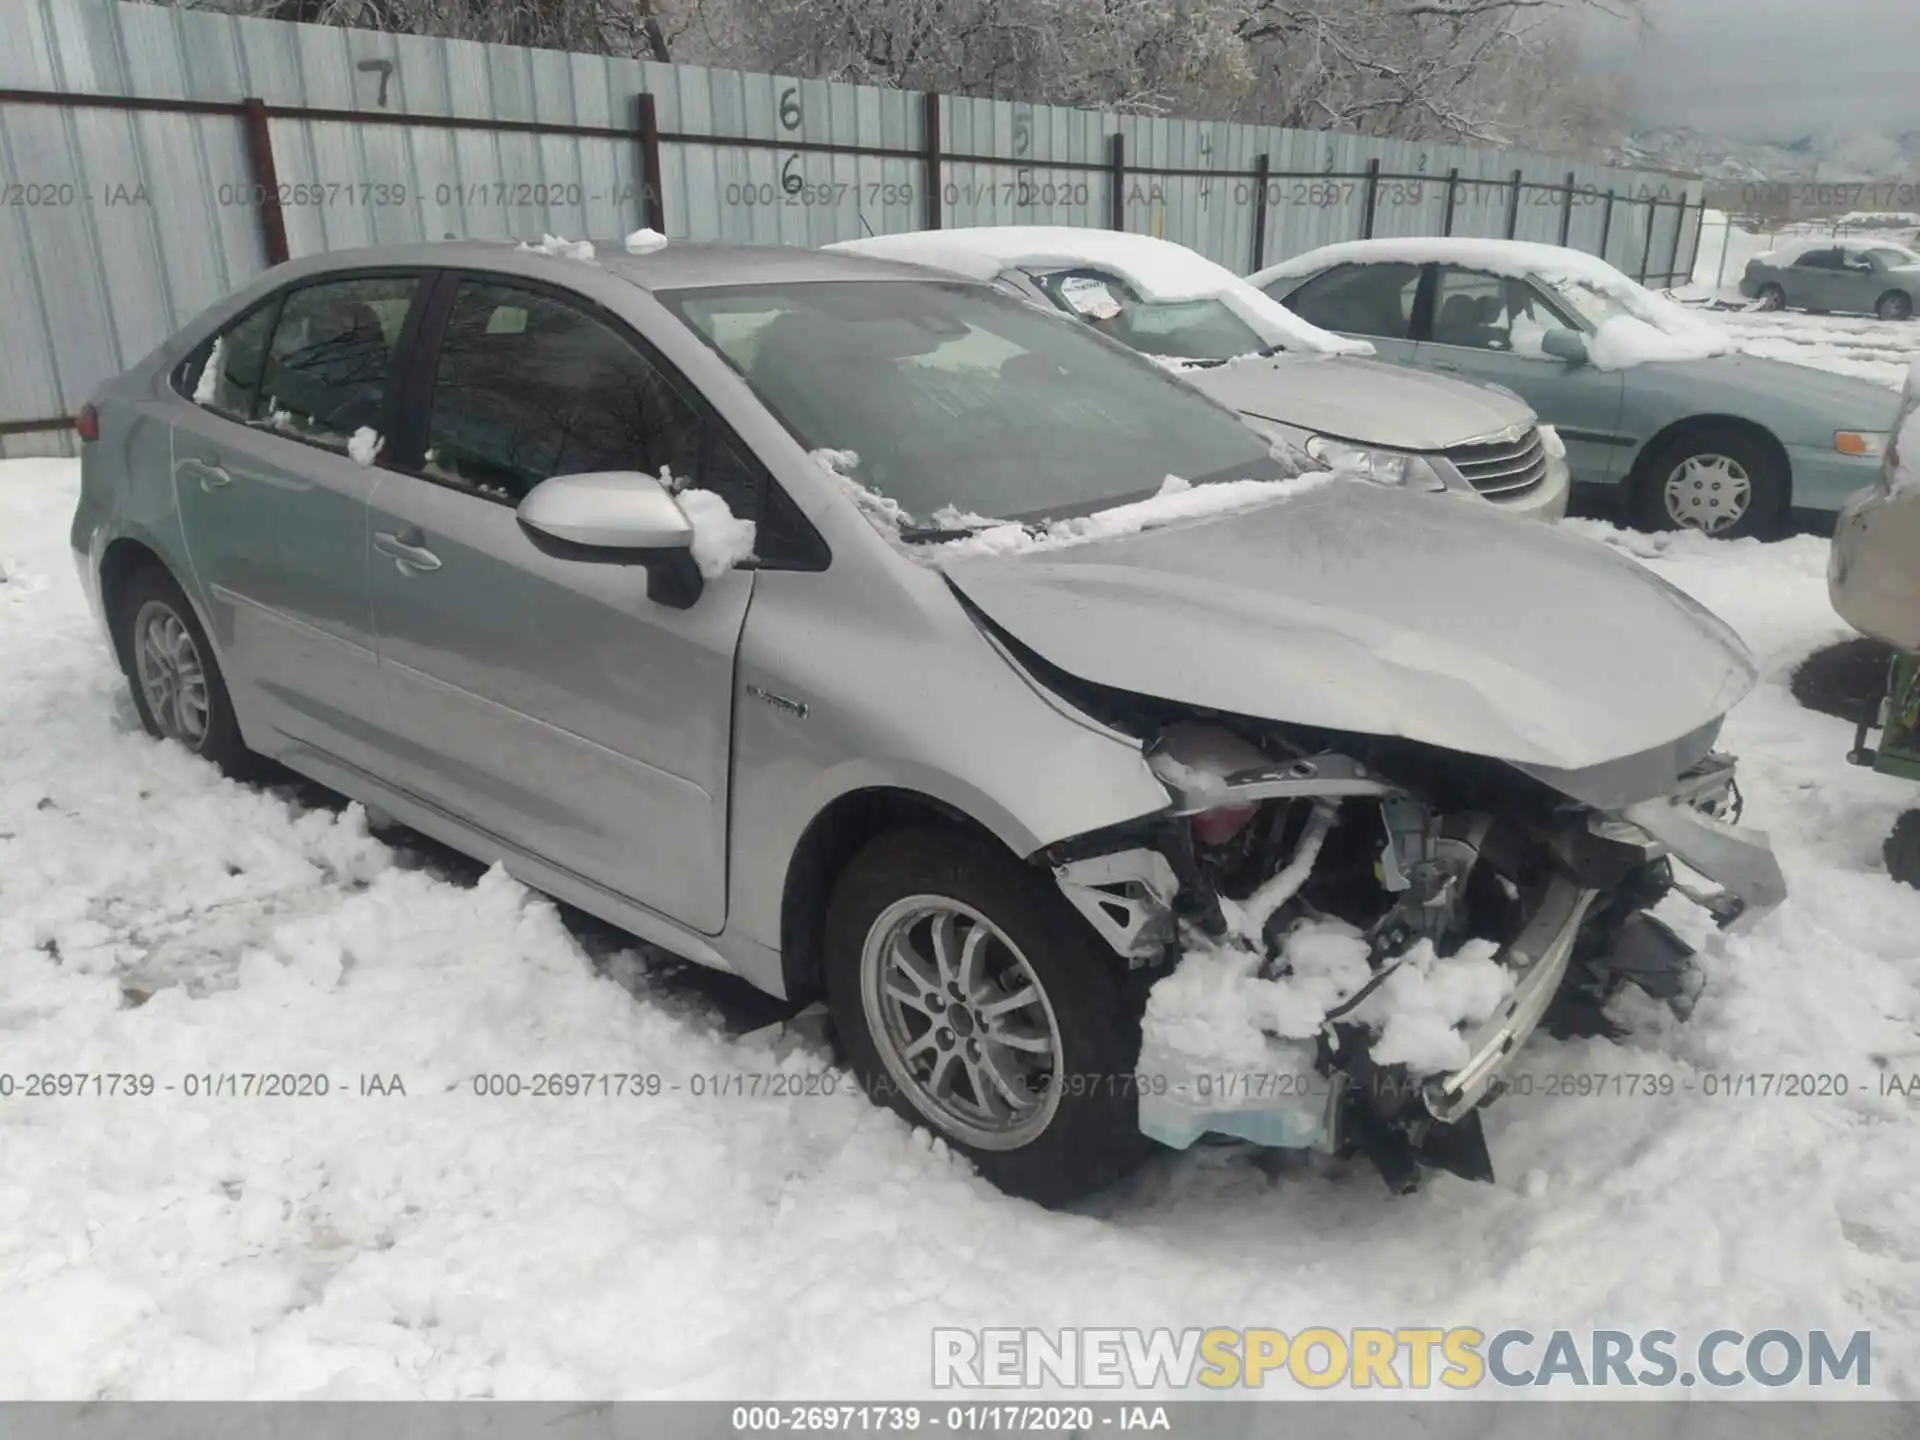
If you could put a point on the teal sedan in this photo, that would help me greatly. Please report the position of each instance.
(1652, 401)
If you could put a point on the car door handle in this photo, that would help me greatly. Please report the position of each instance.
(411, 559)
(211, 477)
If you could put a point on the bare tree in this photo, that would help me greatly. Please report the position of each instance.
(1488, 71)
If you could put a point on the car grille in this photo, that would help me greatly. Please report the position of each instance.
(1502, 469)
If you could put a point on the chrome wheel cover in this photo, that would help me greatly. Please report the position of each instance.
(1708, 492)
(172, 676)
(961, 1022)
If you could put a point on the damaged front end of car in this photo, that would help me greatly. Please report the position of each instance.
(1406, 856)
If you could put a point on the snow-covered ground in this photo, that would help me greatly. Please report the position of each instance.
(156, 920)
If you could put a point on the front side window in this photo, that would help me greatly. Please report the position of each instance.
(959, 400)
(1374, 300)
(329, 364)
(529, 387)
(1480, 311)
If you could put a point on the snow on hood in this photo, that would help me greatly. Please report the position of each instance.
(1353, 607)
(1158, 270)
(1651, 329)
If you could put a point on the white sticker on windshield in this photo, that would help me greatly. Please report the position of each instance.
(1089, 297)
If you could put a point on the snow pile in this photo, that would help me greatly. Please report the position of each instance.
(1177, 500)
(364, 445)
(1218, 1007)
(886, 515)
(721, 541)
(560, 248)
(1421, 1008)
(645, 241)
(1551, 442)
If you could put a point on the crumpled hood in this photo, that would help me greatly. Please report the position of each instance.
(1354, 607)
(1365, 401)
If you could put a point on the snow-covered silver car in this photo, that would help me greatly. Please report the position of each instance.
(874, 635)
(1868, 277)
(1312, 388)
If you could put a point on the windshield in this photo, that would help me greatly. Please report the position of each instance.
(1203, 328)
(1893, 256)
(958, 399)
(1595, 304)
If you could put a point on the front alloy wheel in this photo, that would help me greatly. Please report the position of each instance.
(961, 1022)
(970, 998)
(1708, 492)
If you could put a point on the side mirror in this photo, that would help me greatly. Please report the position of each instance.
(617, 517)
(1567, 345)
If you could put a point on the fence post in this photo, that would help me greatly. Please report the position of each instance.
(1453, 195)
(1606, 224)
(647, 123)
(1117, 199)
(1566, 210)
(266, 178)
(1646, 251)
(1679, 228)
(1260, 211)
(930, 128)
(1513, 205)
(1372, 200)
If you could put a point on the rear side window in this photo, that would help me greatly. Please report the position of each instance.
(1358, 299)
(330, 362)
(228, 381)
(1819, 260)
(528, 387)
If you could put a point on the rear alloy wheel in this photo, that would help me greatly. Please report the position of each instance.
(1772, 297)
(177, 686)
(1722, 482)
(969, 997)
(1895, 305)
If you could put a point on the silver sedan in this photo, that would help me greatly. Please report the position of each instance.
(879, 637)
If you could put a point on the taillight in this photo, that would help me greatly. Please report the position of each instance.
(87, 424)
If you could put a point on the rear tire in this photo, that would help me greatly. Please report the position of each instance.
(1894, 305)
(178, 690)
(1903, 849)
(970, 999)
(1719, 479)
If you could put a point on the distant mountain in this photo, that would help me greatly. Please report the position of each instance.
(1890, 162)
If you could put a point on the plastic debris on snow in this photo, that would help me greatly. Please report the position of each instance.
(561, 248)
(645, 241)
(721, 540)
(1221, 1007)
(364, 445)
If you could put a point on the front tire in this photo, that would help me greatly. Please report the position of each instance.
(969, 998)
(1894, 305)
(178, 690)
(1723, 481)
(1772, 297)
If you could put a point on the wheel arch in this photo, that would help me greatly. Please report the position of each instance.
(843, 827)
(123, 558)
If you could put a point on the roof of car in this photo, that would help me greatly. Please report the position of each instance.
(678, 265)
(1507, 257)
(1156, 267)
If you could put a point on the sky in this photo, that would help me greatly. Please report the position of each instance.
(1772, 69)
